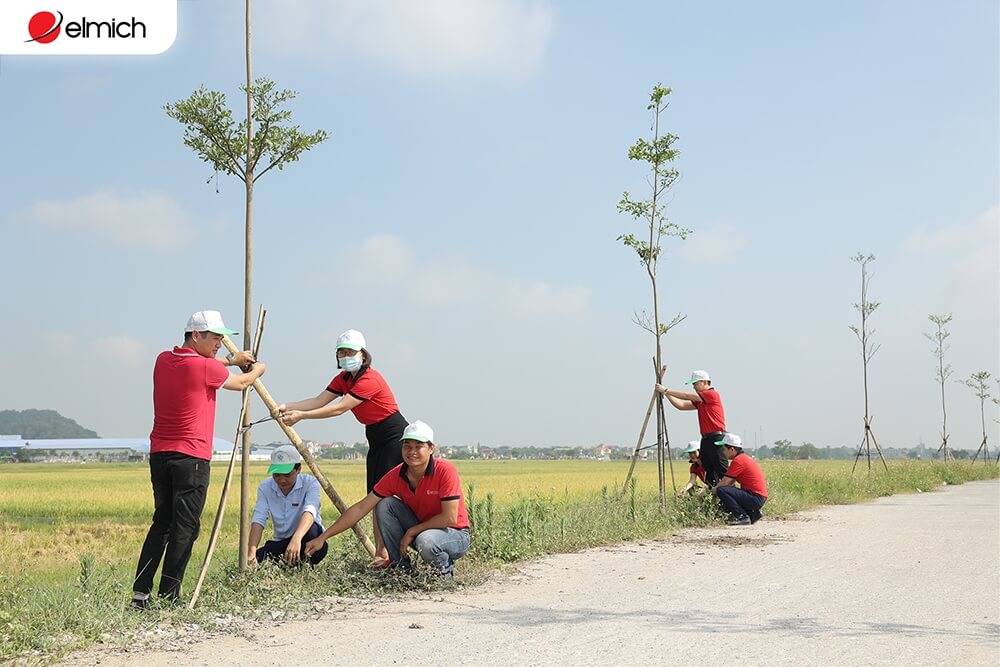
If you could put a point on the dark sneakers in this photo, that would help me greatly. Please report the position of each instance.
(139, 602)
(738, 521)
(755, 516)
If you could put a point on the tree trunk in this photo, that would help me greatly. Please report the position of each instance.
(307, 456)
(247, 303)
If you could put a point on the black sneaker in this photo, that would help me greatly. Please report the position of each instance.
(738, 521)
(756, 516)
(141, 603)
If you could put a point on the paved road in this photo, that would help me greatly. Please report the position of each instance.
(905, 580)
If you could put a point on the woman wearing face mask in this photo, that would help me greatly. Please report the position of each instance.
(362, 390)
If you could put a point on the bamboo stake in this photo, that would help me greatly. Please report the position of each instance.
(642, 431)
(307, 456)
(217, 525)
(638, 444)
(670, 454)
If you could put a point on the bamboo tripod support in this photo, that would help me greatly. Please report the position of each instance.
(638, 443)
(664, 448)
(866, 447)
(946, 455)
(985, 449)
(662, 439)
(307, 456)
(217, 525)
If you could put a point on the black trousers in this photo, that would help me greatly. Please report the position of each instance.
(275, 549)
(713, 460)
(385, 451)
(180, 484)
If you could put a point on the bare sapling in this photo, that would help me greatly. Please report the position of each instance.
(864, 334)
(978, 383)
(942, 373)
(996, 401)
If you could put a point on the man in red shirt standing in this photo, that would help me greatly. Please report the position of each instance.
(711, 420)
(185, 380)
(418, 503)
(742, 503)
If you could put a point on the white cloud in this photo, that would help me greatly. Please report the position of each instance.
(969, 251)
(73, 88)
(149, 221)
(383, 258)
(59, 342)
(425, 38)
(452, 281)
(539, 299)
(124, 350)
(121, 351)
(714, 244)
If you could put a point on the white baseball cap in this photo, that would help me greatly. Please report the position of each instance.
(698, 376)
(351, 340)
(208, 320)
(693, 446)
(418, 431)
(731, 439)
(283, 460)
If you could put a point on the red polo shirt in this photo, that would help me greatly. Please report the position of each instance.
(440, 482)
(369, 387)
(184, 386)
(696, 469)
(711, 417)
(748, 474)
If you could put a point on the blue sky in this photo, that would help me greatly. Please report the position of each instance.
(463, 214)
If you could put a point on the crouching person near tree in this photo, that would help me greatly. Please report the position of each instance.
(291, 499)
(697, 471)
(743, 503)
(418, 503)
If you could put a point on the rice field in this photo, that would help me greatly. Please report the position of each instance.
(72, 533)
(53, 513)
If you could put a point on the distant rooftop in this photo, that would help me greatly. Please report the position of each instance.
(136, 444)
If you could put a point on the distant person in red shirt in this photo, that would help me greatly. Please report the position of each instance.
(711, 420)
(743, 503)
(419, 504)
(185, 380)
(697, 472)
(363, 391)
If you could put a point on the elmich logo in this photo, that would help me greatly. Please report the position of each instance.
(87, 27)
(44, 28)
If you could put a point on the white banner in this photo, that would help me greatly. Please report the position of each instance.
(87, 27)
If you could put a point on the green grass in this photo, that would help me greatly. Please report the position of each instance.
(72, 534)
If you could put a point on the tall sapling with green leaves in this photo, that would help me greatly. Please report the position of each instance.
(265, 140)
(658, 153)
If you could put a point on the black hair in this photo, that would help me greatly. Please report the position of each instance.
(189, 335)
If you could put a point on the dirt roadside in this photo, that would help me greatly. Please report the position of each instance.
(905, 580)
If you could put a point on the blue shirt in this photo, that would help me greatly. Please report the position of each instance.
(286, 511)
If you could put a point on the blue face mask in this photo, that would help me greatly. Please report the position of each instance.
(350, 364)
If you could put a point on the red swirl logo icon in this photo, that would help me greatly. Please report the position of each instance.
(44, 27)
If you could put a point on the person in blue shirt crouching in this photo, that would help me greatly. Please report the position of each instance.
(291, 500)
